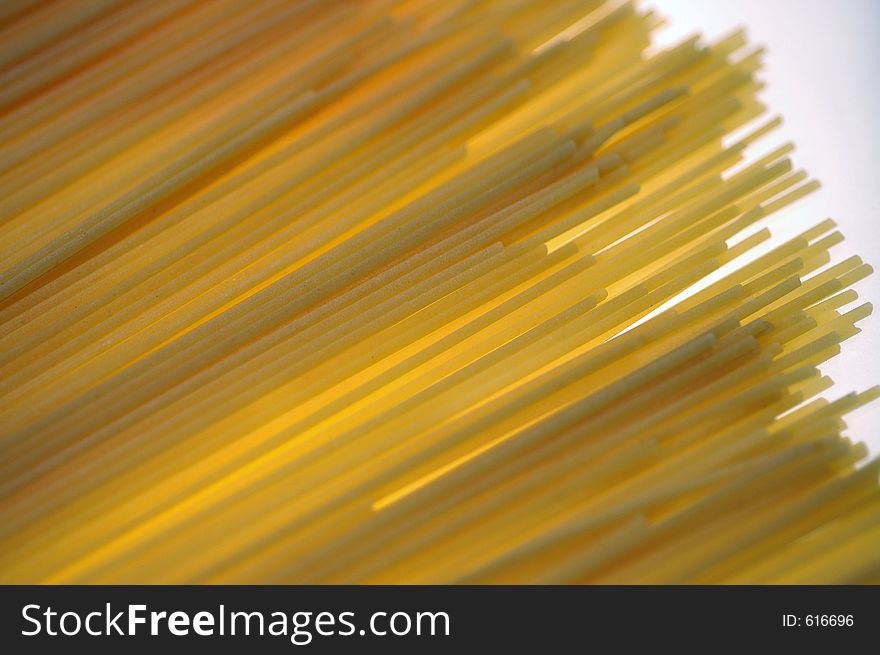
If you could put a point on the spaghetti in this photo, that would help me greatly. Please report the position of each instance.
(410, 291)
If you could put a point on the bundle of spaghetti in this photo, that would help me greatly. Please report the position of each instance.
(411, 291)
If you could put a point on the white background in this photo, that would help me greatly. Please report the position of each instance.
(821, 73)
